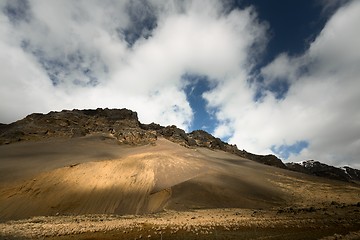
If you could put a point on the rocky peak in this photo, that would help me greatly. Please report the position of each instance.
(269, 159)
(71, 123)
(204, 139)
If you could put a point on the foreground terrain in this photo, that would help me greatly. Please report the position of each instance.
(328, 222)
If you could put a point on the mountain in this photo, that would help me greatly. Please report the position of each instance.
(317, 168)
(105, 161)
(123, 124)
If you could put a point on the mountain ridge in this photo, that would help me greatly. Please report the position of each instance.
(319, 169)
(124, 125)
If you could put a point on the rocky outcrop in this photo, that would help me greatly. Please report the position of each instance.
(121, 123)
(353, 173)
(174, 134)
(204, 139)
(317, 168)
(270, 159)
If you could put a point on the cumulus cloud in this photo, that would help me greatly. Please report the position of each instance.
(320, 107)
(88, 54)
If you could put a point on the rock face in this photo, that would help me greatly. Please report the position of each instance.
(203, 139)
(270, 159)
(323, 170)
(353, 173)
(121, 123)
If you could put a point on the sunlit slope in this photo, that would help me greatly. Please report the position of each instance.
(95, 175)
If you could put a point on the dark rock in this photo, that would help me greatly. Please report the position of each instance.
(151, 126)
(112, 114)
(270, 159)
(136, 136)
(323, 170)
(3, 127)
(201, 138)
(171, 133)
(354, 174)
(75, 123)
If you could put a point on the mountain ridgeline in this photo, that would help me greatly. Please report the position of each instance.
(124, 125)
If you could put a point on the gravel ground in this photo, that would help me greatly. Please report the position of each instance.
(328, 222)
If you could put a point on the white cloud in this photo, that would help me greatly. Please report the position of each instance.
(321, 106)
(22, 80)
(81, 46)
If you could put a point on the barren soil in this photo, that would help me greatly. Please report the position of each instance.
(94, 188)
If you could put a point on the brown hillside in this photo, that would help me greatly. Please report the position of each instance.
(94, 174)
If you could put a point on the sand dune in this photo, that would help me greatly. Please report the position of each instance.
(95, 175)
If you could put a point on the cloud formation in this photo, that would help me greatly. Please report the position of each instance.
(87, 54)
(320, 107)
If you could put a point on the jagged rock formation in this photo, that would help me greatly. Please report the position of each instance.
(323, 170)
(121, 123)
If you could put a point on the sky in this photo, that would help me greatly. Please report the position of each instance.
(273, 77)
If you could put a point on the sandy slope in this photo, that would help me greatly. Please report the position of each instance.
(25, 159)
(95, 175)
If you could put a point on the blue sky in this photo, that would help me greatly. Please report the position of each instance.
(277, 77)
(203, 118)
